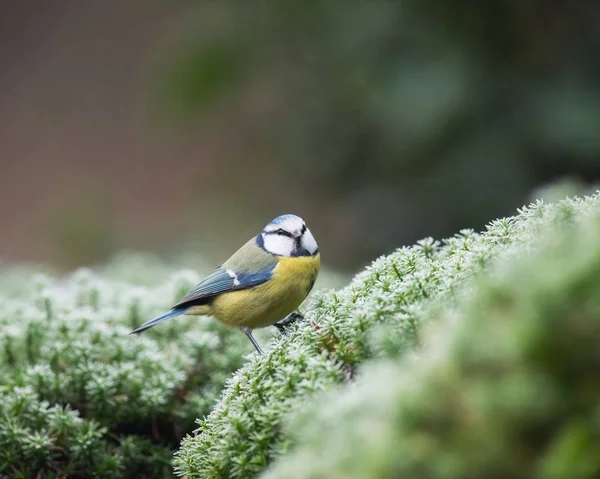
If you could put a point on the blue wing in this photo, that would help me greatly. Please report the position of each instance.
(250, 266)
(223, 280)
(220, 281)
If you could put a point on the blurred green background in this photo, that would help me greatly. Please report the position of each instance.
(178, 126)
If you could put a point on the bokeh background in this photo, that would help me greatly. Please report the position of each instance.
(178, 126)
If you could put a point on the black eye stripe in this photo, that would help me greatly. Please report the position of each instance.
(303, 229)
(278, 232)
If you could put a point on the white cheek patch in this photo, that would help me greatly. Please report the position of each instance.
(278, 244)
(308, 242)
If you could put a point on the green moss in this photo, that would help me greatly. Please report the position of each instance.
(477, 351)
(506, 385)
(79, 396)
(381, 313)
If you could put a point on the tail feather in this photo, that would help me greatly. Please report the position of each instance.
(160, 319)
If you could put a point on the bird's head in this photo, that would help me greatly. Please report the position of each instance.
(287, 235)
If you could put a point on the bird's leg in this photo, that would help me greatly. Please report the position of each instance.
(248, 332)
(289, 319)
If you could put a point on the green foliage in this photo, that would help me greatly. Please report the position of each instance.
(380, 313)
(467, 352)
(203, 75)
(409, 103)
(80, 397)
(506, 385)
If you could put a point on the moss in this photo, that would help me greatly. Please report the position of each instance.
(476, 351)
(81, 398)
(505, 386)
(381, 313)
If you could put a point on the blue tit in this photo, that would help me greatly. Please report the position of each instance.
(265, 280)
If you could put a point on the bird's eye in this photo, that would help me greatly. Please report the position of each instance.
(281, 231)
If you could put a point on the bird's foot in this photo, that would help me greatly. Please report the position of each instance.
(289, 319)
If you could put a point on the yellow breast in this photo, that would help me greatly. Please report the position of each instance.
(266, 304)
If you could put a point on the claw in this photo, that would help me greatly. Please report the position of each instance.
(289, 319)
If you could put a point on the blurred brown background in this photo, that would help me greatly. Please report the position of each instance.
(186, 126)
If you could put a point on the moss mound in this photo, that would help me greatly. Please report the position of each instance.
(471, 356)
(507, 384)
(80, 398)
(383, 312)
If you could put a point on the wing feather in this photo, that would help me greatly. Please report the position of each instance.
(250, 266)
(223, 280)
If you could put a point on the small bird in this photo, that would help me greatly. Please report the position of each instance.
(265, 280)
